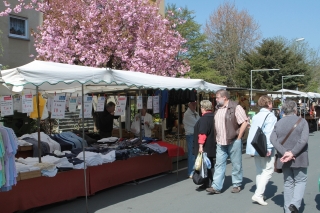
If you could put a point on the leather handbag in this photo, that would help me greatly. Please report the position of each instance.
(259, 141)
(285, 139)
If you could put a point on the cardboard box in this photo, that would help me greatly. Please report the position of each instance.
(18, 177)
(31, 174)
(25, 148)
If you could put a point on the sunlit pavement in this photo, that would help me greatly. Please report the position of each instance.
(173, 192)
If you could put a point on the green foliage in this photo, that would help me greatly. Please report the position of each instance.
(197, 53)
(273, 53)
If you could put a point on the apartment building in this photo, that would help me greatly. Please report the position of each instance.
(16, 39)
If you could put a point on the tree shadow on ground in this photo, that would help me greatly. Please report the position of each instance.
(228, 182)
(270, 190)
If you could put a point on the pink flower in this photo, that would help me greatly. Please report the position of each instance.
(6, 4)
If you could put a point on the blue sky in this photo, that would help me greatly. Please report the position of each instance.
(291, 19)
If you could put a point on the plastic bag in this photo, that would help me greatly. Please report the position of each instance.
(206, 160)
(198, 163)
(204, 170)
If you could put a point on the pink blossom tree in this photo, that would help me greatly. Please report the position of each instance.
(120, 34)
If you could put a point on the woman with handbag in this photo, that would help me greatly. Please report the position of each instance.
(266, 120)
(204, 139)
(290, 139)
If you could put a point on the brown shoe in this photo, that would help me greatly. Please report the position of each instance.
(212, 191)
(236, 189)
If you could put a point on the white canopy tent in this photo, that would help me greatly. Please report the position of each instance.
(313, 95)
(294, 93)
(51, 76)
(59, 78)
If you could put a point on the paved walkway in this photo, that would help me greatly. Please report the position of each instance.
(175, 193)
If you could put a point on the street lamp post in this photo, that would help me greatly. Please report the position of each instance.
(286, 77)
(260, 70)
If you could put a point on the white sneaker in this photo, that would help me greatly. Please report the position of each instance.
(259, 200)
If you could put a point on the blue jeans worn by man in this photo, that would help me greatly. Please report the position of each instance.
(234, 151)
(191, 157)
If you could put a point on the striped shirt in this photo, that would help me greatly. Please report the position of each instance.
(219, 122)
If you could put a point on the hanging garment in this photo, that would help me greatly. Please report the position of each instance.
(42, 104)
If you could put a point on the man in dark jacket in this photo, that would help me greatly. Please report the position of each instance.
(105, 120)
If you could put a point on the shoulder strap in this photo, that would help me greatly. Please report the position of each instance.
(265, 119)
(294, 126)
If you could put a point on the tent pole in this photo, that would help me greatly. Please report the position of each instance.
(178, 140)
(83, 151)
(38, 123)
(140, 133)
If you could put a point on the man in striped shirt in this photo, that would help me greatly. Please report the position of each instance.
(230, 124)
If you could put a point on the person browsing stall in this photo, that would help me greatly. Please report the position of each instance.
(264, 165)
(230, 122)
(105, 120)
(204, 138)
(293, 155)
(190, 118)
(146, 121)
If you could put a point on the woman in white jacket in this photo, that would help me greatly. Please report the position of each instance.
(264, 165)
(146, 123)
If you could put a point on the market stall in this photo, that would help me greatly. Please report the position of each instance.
(39, 76)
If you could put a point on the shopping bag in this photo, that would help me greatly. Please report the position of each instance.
(197, 165)
(275, 165)
(204, 170)
(197, 178)
(259, 142)
(206, 160)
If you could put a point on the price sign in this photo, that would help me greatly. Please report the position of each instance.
(139, 102)
(87, 107)
(27, 103)
(100, 104)
(149, 103)
(58, 107)
(73, 104)
(121, 105)
(17, 104)
(155, 104)
(6, 105)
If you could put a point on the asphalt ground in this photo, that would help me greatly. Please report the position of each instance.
(174, 192)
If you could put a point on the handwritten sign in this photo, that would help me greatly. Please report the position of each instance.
(121, 105)
(139, 102)
(100, 104)
(6, 105)
(73, 104)
(87, 107)
(27, 103)
(58, 107)
(17, 103)
(155, 104)
(149, 103)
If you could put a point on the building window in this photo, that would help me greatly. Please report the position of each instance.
(18, 27)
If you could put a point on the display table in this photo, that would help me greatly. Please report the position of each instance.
(24, 151)
(67, 185)
(173, 150)
(41, 191)
(119, 172)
